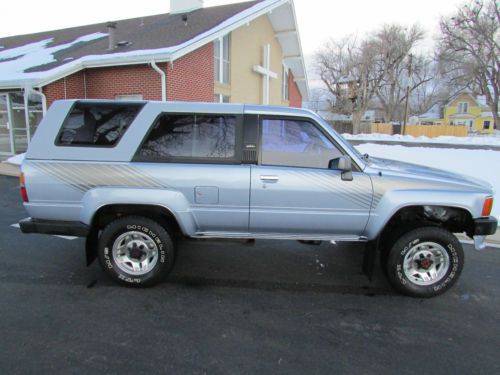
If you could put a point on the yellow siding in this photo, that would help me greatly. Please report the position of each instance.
(474, 111)
(246, 51)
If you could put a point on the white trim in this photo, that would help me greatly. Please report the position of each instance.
(285, 85)
(26, 95)
(292, 57)
(285, 33)
(261, 70)
(265, 71)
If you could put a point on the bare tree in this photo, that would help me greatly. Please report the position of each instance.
(469, 46)
(350, 71)
(395, 44)
(320, 99)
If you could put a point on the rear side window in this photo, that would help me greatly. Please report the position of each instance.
(191, 137)
(97, 125)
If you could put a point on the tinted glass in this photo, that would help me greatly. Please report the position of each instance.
(295, 144)
(196, 137)
(97, 124)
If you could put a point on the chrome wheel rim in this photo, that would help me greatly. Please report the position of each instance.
(426, 263)
(135, 253)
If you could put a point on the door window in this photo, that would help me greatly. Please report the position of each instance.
(295, 143)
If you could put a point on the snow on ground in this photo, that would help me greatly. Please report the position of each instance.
(481, 164)
(16, 159)
(487, 140)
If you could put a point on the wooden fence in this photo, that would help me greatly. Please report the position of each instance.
(382, 128)
(436, 130)
(414, 130)
(430, 131)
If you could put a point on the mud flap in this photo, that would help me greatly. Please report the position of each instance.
(91, 246)
(369, 258)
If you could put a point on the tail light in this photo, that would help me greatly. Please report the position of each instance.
(22, 186)
(488, 204)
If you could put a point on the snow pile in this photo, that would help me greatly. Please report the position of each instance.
(481, 164)
(16, 159)
(486, 140)
(14, 61)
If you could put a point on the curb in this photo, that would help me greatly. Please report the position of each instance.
(8, 169)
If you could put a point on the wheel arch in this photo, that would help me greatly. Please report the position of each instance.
(452, 218)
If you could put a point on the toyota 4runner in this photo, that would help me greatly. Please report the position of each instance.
(132, 176)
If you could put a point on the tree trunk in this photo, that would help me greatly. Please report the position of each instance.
(356, 122)
(496, 121)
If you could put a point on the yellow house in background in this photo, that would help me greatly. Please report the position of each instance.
(466, 109)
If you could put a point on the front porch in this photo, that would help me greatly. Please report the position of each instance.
(20, 113)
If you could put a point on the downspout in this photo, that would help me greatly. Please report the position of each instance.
(44, 99)
(26, 95)
(163, 80)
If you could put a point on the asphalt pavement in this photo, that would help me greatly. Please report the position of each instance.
(274, 307)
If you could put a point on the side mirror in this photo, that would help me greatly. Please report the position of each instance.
(344, 164)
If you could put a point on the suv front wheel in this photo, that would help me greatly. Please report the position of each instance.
(425, 262)
(136, 251)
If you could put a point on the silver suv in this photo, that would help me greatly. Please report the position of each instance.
(132, 176)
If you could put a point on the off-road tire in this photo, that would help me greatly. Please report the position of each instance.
(152, 231)
(409, 242)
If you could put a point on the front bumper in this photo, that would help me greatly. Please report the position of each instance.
(64, 228)
(484, 226)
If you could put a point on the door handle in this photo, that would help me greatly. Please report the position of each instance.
(267, 178)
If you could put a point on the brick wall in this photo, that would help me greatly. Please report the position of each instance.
(294, 95)
(70, 87)
(106, 83)
(190, 78)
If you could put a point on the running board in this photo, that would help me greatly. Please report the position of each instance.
(281, 236)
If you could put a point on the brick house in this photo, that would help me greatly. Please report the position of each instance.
(247, 52)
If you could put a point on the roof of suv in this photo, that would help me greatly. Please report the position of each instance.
(206, 107)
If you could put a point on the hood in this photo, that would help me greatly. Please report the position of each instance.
(426, 173)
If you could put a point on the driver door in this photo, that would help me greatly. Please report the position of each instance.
(293, 191)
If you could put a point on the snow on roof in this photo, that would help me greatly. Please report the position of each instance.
(24, 64)
(15, 61)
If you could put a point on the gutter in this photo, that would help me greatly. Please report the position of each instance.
(163, 80)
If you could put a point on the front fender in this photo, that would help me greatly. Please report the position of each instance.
(393, 201)
(172, 200)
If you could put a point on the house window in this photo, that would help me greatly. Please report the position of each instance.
(219, 98)
(129, 97)
(486, 125)
(284, 89)
(221, 59)
(463, 107)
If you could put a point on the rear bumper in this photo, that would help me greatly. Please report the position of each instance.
(485, 226)
(65, 228)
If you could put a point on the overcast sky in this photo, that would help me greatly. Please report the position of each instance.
(318, 19)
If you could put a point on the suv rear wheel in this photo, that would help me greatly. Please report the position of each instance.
(425, 262)
(136, 251)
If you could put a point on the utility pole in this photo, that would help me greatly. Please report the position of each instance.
(410, 72)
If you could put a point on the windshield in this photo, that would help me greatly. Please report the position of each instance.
(342, 140)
